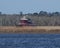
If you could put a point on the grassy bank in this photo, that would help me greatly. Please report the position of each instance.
(30, 29)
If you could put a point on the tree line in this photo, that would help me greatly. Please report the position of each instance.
(41, 13)
(42, 18)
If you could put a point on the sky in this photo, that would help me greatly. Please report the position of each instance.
(29, 6)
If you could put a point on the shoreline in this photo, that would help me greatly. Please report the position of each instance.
(30, 29)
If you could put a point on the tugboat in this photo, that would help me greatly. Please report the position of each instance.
(24, 21)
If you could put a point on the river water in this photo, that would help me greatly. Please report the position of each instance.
(29, 40)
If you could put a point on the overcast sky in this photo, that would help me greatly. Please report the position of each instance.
(29, 6)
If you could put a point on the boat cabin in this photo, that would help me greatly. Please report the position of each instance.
(24, 21)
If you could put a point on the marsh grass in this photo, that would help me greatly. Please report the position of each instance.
(30, 29)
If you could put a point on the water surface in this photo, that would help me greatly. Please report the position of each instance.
(29, 40)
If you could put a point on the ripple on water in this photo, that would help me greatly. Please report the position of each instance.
(29, 40)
